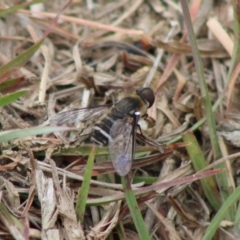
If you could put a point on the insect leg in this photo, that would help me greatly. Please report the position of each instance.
(136, 117)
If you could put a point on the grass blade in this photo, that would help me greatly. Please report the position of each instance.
(8, 84)
(20, 60)
(83, 191)
(222, 179)
(9, 98)
(208, 184)
(21, 133)
(223, 211)
(134, 209)
(19, 6)
(14, 226)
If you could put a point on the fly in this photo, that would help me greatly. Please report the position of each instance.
(116, 126)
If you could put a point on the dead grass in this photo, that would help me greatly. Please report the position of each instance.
(96, 53)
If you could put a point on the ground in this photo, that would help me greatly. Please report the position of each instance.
(61, 56)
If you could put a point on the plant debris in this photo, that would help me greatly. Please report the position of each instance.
(94, 54)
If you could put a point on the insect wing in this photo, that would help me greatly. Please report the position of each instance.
(121, 146)
(77, 115)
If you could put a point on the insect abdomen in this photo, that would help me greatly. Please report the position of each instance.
(126, 107)
(101, 130)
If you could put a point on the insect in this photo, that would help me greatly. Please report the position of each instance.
(116, 126)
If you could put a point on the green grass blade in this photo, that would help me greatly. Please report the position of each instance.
(202, 82)
(208, 184)
(146, 179)
(134, 210)
(213, 226)
(82, 150)
(222, 179)
(14, 225)
(7, 84)
(21, 59)
(236, 228)
(236, 51)
(83, 191)
(19, 6)
(21, 133)
(9, 98)
(85, 150)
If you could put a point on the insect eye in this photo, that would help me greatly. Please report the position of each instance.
(146, 94)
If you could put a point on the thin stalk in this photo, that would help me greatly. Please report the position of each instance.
(222, 178)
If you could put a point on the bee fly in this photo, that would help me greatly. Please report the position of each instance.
(116, 126)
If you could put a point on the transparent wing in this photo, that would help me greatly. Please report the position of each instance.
(121, 146)
(77, 115)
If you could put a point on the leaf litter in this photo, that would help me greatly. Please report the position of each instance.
(95, 54)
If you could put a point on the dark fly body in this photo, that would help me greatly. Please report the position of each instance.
(116, 126)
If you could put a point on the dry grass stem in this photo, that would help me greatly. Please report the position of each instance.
(92, 55)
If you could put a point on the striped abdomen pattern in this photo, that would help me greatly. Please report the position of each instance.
(126, 107)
